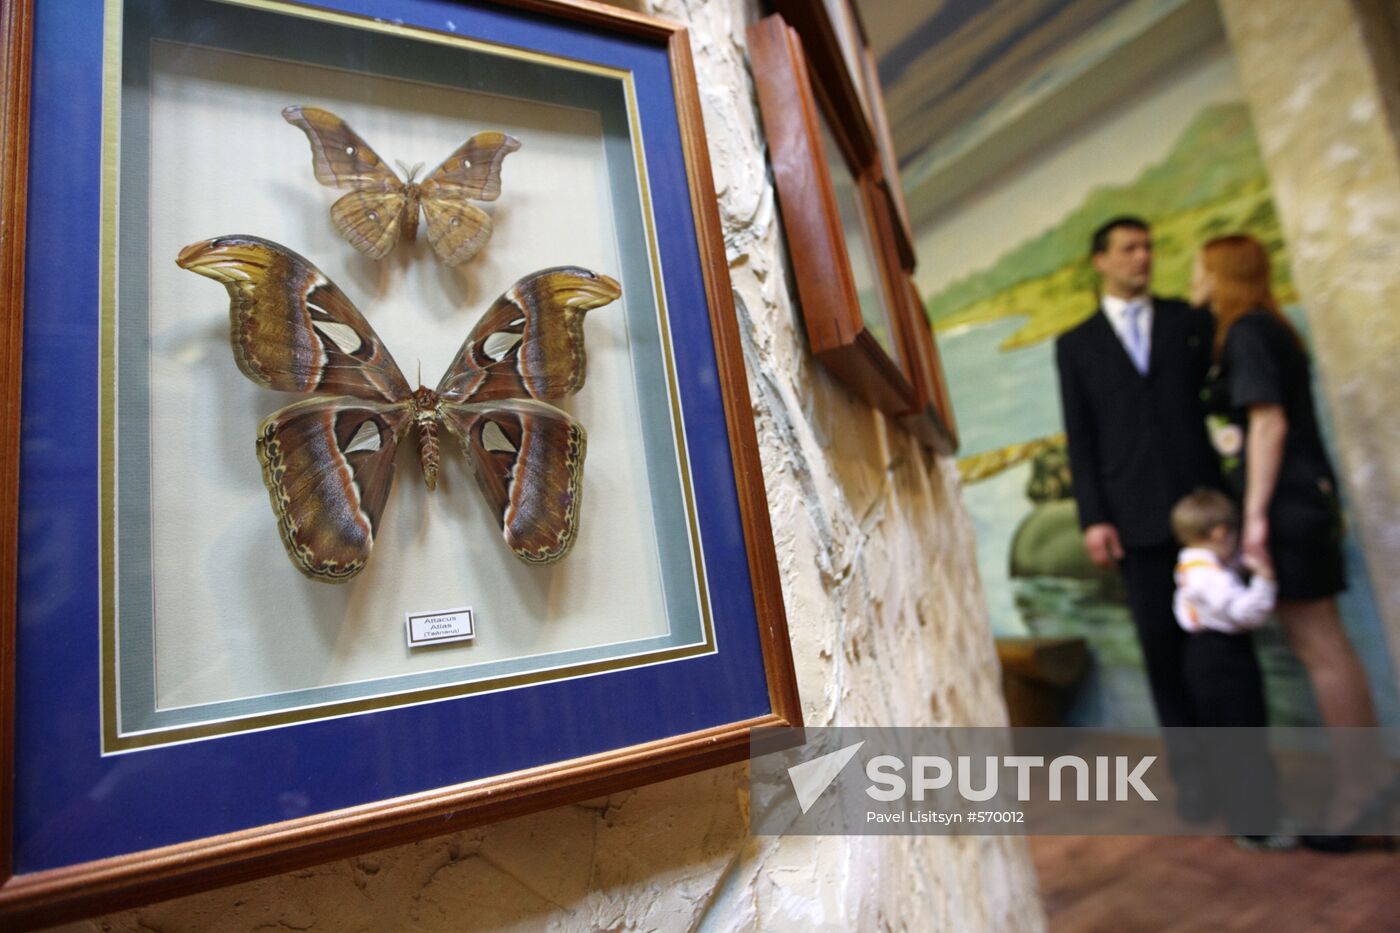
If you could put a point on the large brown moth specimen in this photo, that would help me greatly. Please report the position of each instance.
(329, 462)
(381, 207)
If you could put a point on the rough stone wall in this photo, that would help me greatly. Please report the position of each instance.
(888, 626)
(1322, 88)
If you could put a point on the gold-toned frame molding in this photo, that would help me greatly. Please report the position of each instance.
(61, 894)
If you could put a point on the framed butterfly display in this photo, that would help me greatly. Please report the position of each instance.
(328, 464)
(381, 207)
(581, 593)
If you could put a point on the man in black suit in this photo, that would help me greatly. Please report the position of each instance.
(1130, 383)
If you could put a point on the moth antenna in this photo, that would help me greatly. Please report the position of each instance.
(420, 370)
(408, 172)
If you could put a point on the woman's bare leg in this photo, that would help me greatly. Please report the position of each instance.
(1315, 633)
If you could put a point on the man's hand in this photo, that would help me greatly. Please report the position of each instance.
(1101, 541)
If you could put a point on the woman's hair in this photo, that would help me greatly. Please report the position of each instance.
(1240, 265)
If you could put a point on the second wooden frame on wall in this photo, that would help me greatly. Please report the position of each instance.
(843, 212)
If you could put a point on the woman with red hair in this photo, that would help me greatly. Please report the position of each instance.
(1273, 454)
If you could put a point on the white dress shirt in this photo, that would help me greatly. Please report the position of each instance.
(1210, 596)
(1116, 310)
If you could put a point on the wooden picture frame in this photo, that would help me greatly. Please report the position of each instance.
(798, 133)
(198, 806)
(827, 56)
(929, 417)
(812, 71)
(933, 420)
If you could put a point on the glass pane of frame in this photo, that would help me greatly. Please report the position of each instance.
(860, 245)
(848, 38)
(205, 151)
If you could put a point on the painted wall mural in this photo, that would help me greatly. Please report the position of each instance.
(1198, 174)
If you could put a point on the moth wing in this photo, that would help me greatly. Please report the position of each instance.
(339, 157)
(528, 461)
(328, 465)
(530, 341)
(290, 327)
(370, 220)
(456, 229)
(473, 170)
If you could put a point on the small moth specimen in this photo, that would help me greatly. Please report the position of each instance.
(328, 463)
(380, 207)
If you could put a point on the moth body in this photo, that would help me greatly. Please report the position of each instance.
(412, 195)
(413, 198)
(426, 415)
(380, 208)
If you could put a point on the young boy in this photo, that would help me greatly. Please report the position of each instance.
(1210, 596)
(1214, 604)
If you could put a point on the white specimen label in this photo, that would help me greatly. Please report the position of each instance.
(441, 625)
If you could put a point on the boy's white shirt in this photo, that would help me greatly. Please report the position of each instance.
(1210, 596)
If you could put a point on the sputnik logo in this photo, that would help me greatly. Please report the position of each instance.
(811, 778)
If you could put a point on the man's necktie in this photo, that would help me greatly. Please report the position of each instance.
(1132, 316)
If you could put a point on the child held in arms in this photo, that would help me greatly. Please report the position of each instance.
(1210, 596)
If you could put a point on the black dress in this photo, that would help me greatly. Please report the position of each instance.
(1263, 365)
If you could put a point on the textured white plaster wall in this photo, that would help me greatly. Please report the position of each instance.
(888, 627)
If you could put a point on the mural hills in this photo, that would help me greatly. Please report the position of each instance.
(1211, 182)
